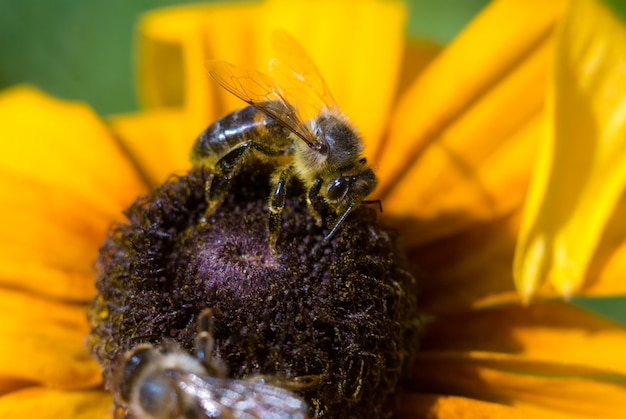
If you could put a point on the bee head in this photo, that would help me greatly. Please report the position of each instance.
(132, 366)
(145, 385)
(352, 186)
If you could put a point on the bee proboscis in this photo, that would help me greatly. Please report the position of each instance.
(169, 383)
(293, 120)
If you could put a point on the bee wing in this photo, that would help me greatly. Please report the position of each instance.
(299, 78)
(227, 398)
(261, 91)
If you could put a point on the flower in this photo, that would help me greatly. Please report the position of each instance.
(454, 135)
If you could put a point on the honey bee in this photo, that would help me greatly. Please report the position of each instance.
(293, 120)
(169, 383)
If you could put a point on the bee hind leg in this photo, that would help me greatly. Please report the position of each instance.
(276, 204)
(218, 183)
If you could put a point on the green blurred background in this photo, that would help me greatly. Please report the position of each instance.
(82, 49)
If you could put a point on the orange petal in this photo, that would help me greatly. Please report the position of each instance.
(464, 136)
(468, 270)
(581, 170)
(608, 266)
(63, 179)
(547, 332)
(519, 364)
(450, 407)
(361, 66)
(44, 403)
(535, 396)
(44, 342)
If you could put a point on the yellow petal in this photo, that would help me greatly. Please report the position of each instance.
(49, 239)
(43, 341)
(63, 179)
(464, 136)
(158, 138)
(417, 55)
(173, 45)
(361, 66)
(547, 332)
(65, 143)
(581, 169)
(450, 407)
(46, 403)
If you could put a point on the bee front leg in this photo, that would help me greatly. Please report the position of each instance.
(316, 201)
(276, 204)
(205, 344)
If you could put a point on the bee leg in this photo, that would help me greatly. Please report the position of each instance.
(338, 222)
(205, 344)
(218, 183)
(277, 203)
(316, 202)
(207, 191)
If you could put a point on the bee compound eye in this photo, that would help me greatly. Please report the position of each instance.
(158, 396)
(132, 369)
(337, 189)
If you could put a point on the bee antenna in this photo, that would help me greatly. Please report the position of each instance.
(338, 223)
(374, 201)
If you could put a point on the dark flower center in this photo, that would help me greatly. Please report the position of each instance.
(342, 310)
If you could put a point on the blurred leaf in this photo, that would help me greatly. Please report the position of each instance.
(619, 6)
(613, 308)
(442, 20)
(73, 49)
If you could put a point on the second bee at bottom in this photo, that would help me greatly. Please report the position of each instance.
(168, 383)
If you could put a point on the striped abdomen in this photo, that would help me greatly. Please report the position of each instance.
(237, 129)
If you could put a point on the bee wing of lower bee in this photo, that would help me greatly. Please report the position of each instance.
(298, 77)
(235, 398)
(261, 91)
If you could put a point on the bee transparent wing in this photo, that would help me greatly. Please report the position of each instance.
(299, 78)
(225, 398)
(261, 91)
